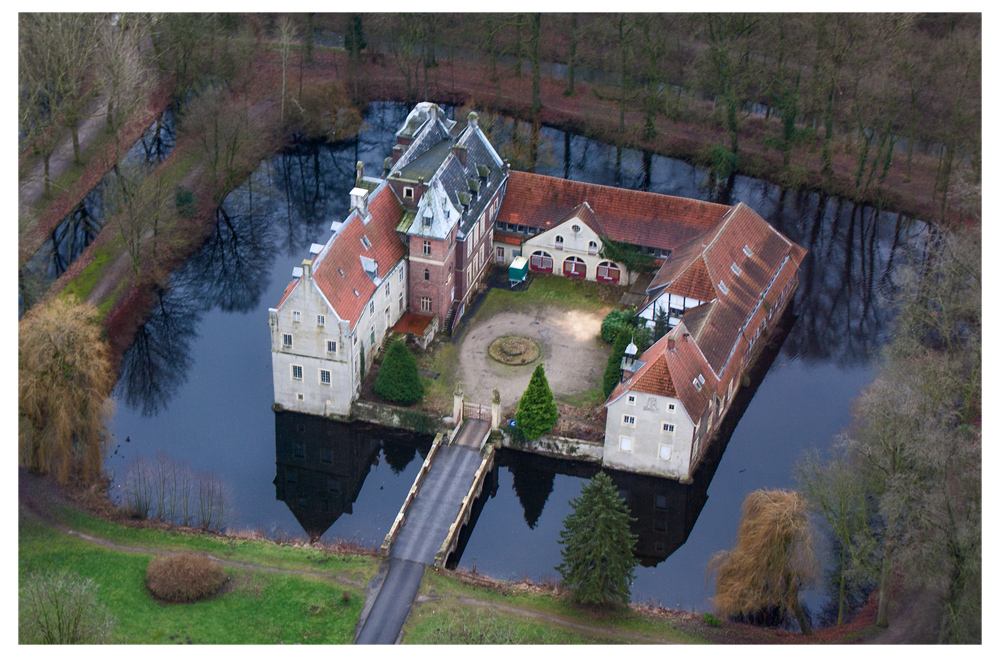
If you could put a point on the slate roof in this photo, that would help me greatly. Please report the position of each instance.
(345, 250)
(641, 218)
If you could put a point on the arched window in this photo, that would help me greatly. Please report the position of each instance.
(609, 272)
(574, 267)
(592, 248)
(427, 274)
(559, 241)
(540, 261)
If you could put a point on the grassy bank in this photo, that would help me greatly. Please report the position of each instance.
(254, 606)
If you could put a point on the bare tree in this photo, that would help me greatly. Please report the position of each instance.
(222, 128)
(287, 34)
(64, 382)
(122, 75)
(136, 198)
(771, 561)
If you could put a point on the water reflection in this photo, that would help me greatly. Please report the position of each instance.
(321, 465)
(80, 227)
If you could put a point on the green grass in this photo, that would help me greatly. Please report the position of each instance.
(262, 553)
(548, 291)
(583, 399)
(424, 624)
(255, 607)
(85, 281)
(441, 357)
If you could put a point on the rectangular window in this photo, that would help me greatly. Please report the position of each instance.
(326, 455)
(425, 304)
(631, 400)
(400, 302)
(722, 286)
(661, 502)
(355, 339)
(331, 346)
(286, 340)
(296, 316)
(296, 372)
(400, 274)
(665, 451)
(671, 408)
(365, 243)
(407, 192)
(387, 290)
(735, 269)
(668, 428)
(427, 247)
(626, 444)
(747, 251)
(628, 420)
(299, 450)
(696, 383)
(371, 307)
(320, 320)
(371, 339)
(324, 377)
(660, 525)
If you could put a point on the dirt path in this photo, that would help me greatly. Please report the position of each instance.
(34, 182)
(572, 353)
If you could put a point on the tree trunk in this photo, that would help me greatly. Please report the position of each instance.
(536, 83)
(571, 71)
(75, 128)
(517, 46)
(45, 159)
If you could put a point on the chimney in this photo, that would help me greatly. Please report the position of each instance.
(307, 266)
(686, 336)
(460, 153)
(473, 119)
(360, 166)
(432, 112)
(359, 201)
(386, 165)
(671, 342)
(397, 152)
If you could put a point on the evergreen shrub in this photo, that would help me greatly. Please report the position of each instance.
(398, 380)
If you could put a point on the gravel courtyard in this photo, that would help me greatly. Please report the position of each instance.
(572, 352)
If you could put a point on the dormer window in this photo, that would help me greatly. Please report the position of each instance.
(696, 383)
(428, 219)
(364, 241)
(407, 192)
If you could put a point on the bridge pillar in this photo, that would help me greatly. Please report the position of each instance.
(495, 410)
(459, 400)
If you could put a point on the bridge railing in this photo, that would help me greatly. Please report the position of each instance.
(412, 495)
(463, 513)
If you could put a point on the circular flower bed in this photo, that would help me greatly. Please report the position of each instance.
(514, 350)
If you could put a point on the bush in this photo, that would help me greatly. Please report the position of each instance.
(184, 200)
(614, 321)
(62, 608)
(712, 620)
(398, 380)
(184, 577)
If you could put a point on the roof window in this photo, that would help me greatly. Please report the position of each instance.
(722, 286)
(747, 251)
(696, 384)
(736, 270)
(340, 270)
(365, 242)
(356, 294)
(701, 379)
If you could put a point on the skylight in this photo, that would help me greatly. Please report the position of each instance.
(356, 293)
(736, 270)
(747, 251)
(722, 286)
(365, 242)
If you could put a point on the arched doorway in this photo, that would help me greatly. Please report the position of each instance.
(608, 272)
(541, 261)
(574, 267)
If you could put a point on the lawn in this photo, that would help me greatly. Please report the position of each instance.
(551, 291)
(446, 619)
(254, 606)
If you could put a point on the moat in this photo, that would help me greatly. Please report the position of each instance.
(196, 384)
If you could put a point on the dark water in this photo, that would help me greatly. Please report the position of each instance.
(80, 227)
(196, 384)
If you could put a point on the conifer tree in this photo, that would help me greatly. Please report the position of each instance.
(598, 563)
(398, 380)
(613, 371)
(536, 411)
(660, 324)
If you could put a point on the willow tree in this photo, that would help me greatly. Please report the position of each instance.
(771, 561)
(64, 380)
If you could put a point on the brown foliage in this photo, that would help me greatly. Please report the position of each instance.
(772, 558)
(184, 577)
(64, 380)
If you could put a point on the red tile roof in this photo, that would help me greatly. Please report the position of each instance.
(344, 251)
(412, 323)
(506, 238)
(643, 218)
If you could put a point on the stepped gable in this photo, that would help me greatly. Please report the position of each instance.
(345, 250)
(642, 218)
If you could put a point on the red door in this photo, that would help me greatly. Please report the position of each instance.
(540, 262)
(574, 267)
(609, 274)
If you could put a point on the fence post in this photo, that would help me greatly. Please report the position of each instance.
(459, 399)
(495, 410)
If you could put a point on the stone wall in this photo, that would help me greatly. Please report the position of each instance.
(397, 417)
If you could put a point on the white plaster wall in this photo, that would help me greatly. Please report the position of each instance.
(650, 412)
(309, 345)
(668, 301)
(574, 244)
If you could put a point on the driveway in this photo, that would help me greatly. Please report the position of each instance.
(572, 352)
